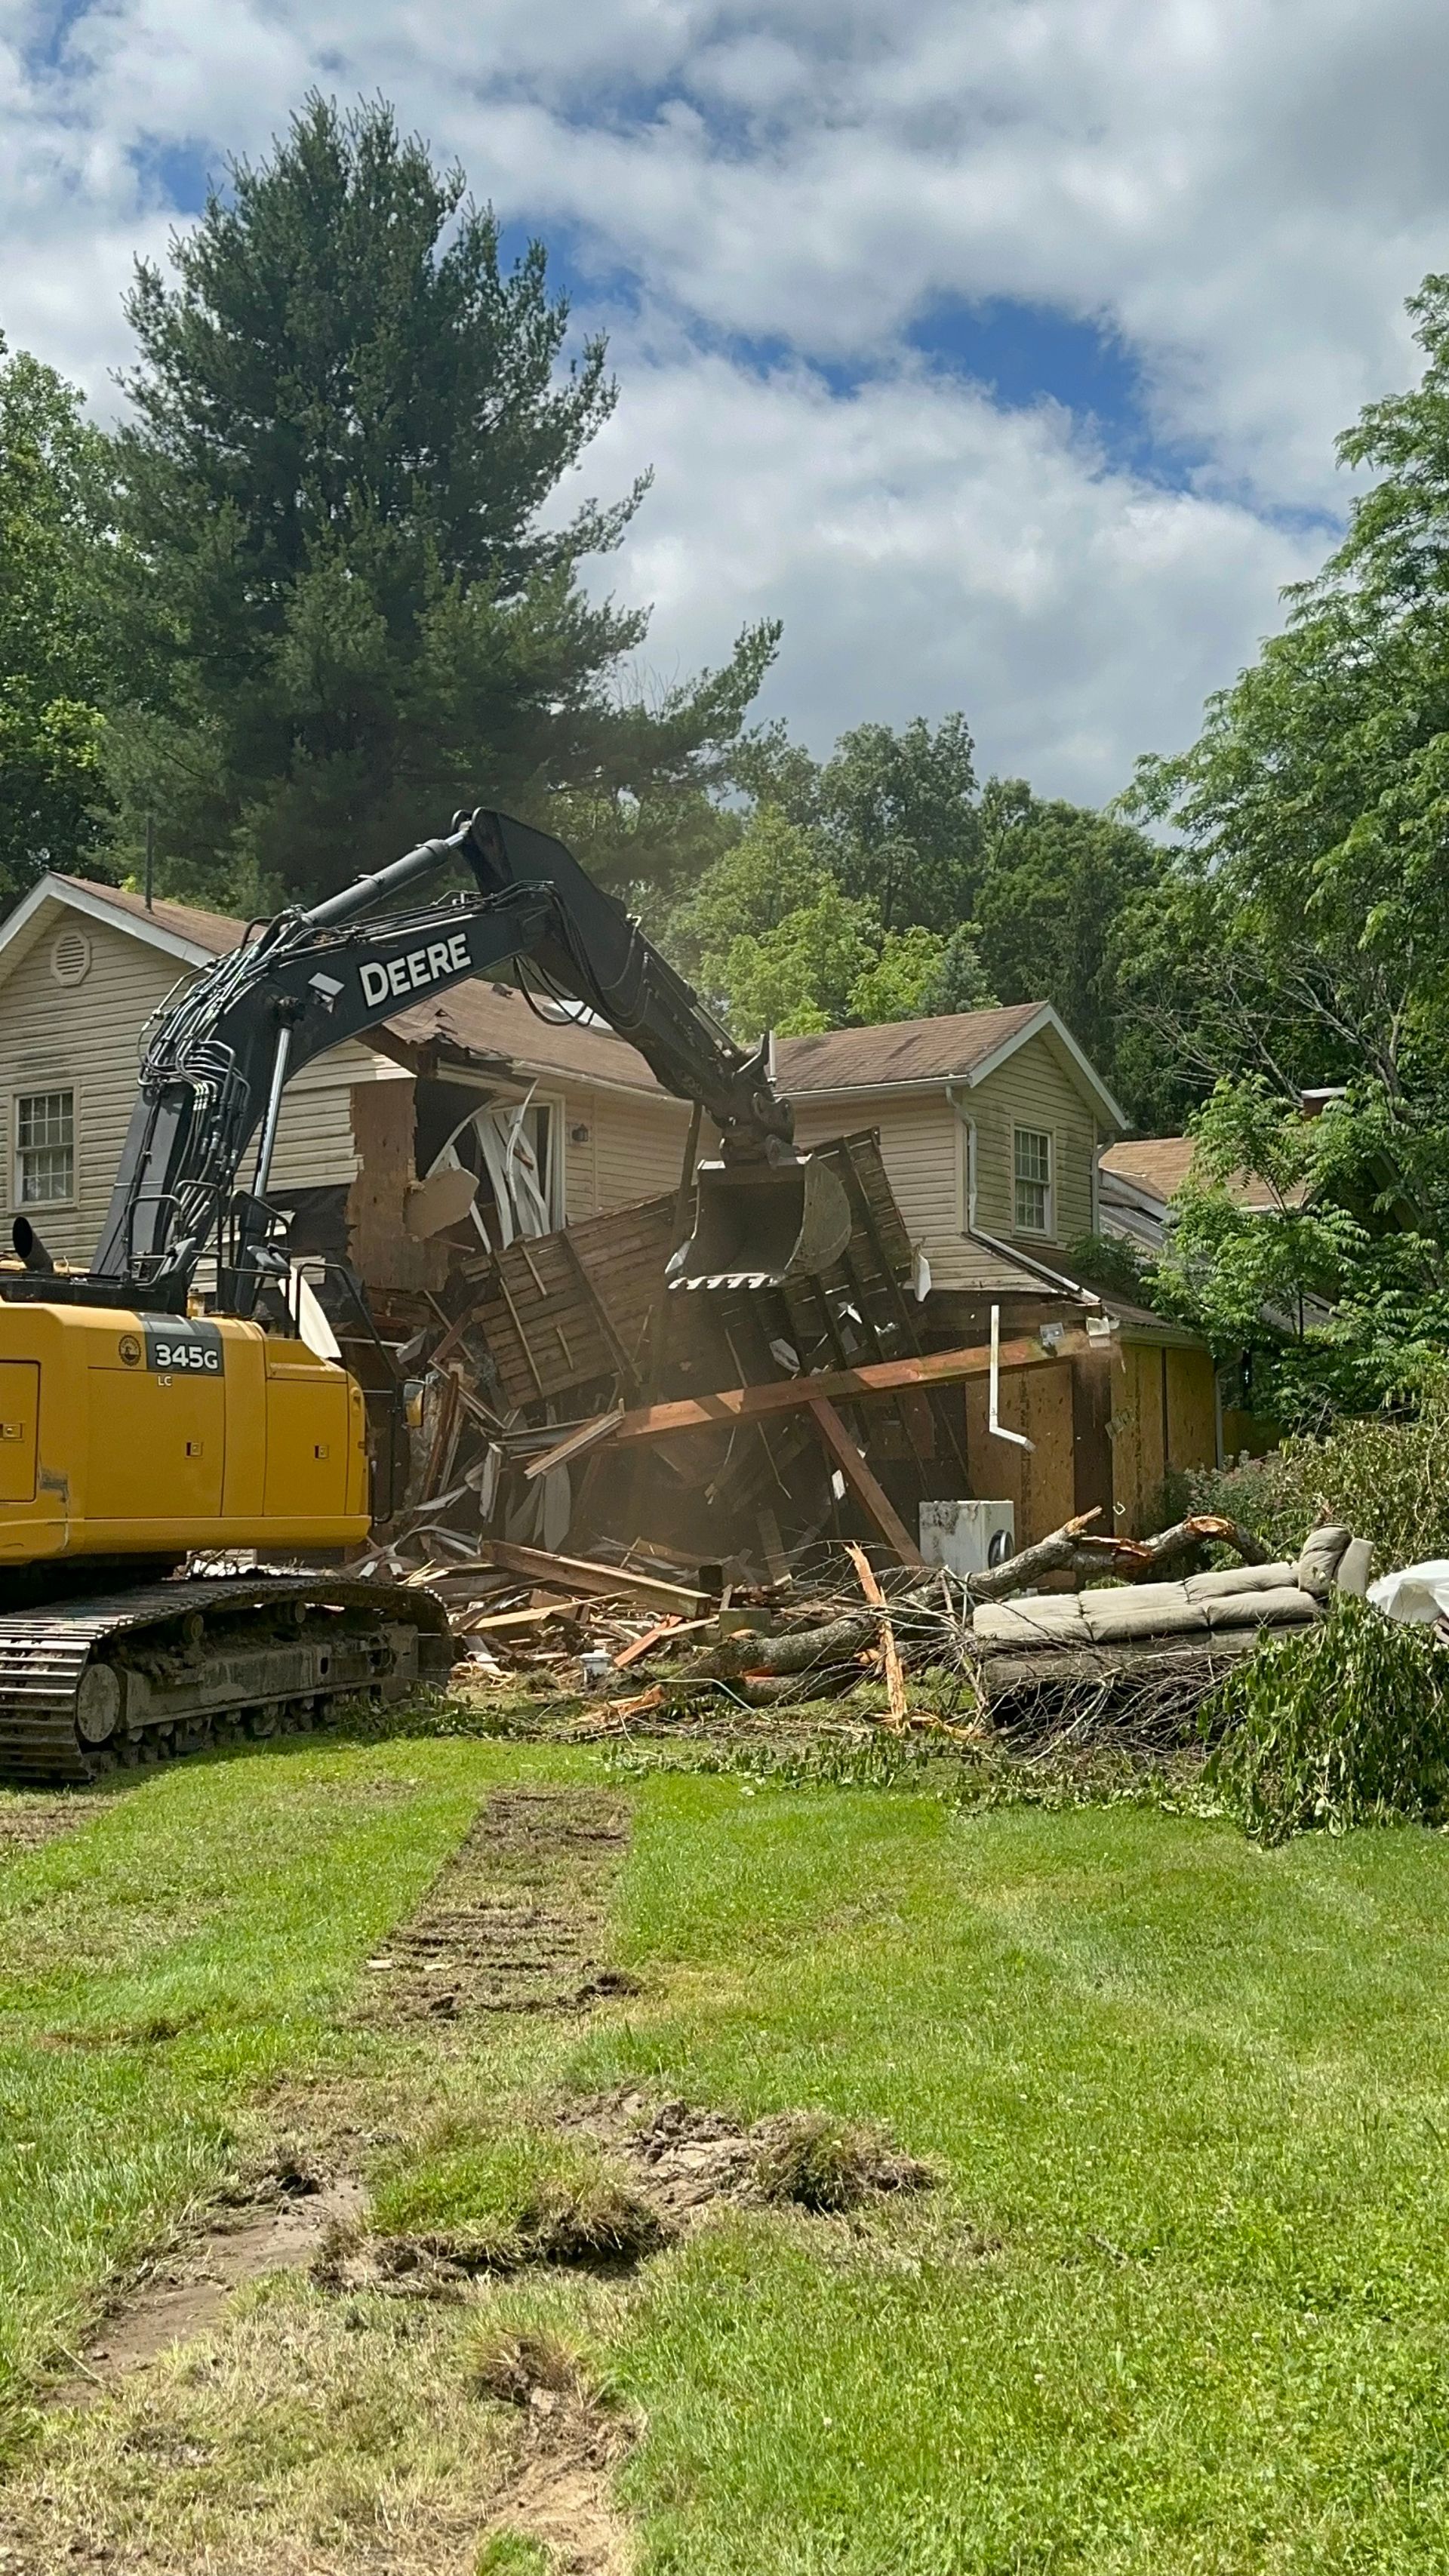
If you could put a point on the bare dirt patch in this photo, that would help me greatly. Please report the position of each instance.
(516, 1922)
(184, 2292)
(686, 2161)
(560, 2494)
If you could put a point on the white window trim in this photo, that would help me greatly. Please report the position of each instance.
(34, 1090)
(1046, 1233)
(556, 1104)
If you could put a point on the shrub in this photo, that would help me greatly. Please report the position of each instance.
(1387, 1478)
(1345, 1723)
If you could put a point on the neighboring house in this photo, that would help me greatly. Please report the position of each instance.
(991, 1125)
(1141, 1175)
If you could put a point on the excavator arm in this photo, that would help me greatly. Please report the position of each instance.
(219, 1058)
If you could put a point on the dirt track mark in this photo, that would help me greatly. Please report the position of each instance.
(516, 1921)
(28, 1821)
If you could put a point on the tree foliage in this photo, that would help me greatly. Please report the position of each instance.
(1342, 1310)
(348, 418)
(58, 649)
(1312, 817)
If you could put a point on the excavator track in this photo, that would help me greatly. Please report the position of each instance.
(170, 1668)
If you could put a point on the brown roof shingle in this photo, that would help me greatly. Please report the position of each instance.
(215, 931)
(1161, 1164)
(899, 1051)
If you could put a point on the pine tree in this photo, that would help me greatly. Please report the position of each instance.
(349, 421)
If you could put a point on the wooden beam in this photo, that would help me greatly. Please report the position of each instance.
(871, 1496)
(832, 1386)
(586, 1437)
(575, 1574)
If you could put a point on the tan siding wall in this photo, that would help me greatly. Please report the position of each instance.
(638, 1147)
(83, 1036)
(1032, 1090)
(923, 1145)
(314, 1140)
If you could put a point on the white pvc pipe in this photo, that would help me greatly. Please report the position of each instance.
(996, 1428)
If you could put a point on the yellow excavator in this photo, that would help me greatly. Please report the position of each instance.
(142, 1426)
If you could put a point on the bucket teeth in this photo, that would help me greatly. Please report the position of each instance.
(759, 1224)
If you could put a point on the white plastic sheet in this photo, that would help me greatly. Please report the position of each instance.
(1417, 1594)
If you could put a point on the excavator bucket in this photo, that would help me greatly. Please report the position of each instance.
(759, 1223)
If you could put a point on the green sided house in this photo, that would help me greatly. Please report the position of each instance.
(992, 1127)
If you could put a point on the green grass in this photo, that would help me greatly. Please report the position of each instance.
(500, 2198)
(162, 1962)
(1179, 2305)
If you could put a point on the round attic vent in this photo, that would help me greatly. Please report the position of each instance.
(70, 957)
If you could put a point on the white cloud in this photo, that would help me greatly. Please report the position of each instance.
(1241, 194)
(927, 552)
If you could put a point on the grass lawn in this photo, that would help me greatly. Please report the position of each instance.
(1181, 2302)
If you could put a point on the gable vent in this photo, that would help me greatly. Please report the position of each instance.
(70, 957)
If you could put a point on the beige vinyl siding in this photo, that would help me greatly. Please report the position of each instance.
(83, 1038)
(86, 1038)
(921, 1145)
(638, 1142)
(1032, 1089)
(314, 1138)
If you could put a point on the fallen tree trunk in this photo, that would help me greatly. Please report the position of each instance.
(1067, 1669)
(1075, 1549)
(799, 1650)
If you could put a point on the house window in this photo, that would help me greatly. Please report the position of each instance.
(44, 1148)
(1033, 1181)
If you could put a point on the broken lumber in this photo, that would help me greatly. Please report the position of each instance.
(868, 1491)
(587, 1436)
(890, 1652)
(833, 1386)
(581, 1574)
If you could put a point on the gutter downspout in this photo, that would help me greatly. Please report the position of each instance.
(968, 1128)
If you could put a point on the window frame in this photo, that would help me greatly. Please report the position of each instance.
(20, 1203)
(1045, 1182)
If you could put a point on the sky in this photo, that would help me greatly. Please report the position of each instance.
(998, 347)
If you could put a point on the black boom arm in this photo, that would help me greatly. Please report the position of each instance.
(218, 1059)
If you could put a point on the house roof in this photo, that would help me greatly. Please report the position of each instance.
(214, 932)
(491, 1024)
(1160, 1164)
(964, 1047)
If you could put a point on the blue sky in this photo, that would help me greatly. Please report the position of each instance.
(998, 346)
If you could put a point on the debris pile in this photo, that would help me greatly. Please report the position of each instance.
(1129, 1659)
(564, 1398)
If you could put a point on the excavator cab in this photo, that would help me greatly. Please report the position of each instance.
(759, 1223)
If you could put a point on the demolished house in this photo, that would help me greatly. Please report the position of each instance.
(507, 1179)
